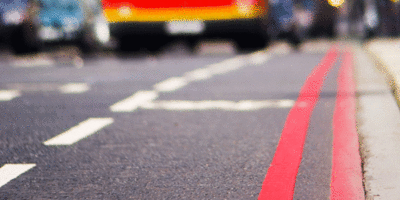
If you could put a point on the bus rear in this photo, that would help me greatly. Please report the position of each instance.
(243, 19)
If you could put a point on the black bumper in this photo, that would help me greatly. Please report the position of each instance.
(7, 30)
(218, 27)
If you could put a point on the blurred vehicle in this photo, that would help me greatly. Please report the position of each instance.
(15, 26)
(304, 13)
(282, 22)
(148, 21)
(389, 21)
(70, 21)
(371, 18)
(325, 19)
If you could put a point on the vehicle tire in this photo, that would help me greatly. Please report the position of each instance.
(251, 42)
(154, 43)
(23, 40)
(129, 44)
(87, 42)
(192, 42)
(294, 39)
(369, 33)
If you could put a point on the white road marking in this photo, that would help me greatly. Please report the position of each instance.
(11, 171)
(35, 63)
(245, 105)
(280, 48)
(8, 95)
(133, 102)
(41, 60)
(69, 88)
(227, 65)
(259, 57)
(198, 74)
(286, 103)
(171, 84)
(33, 87)
(146, 98)
(74, 88)
(80, 131)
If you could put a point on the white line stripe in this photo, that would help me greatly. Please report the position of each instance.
(27, 63)
(74, 88)
(245, 105)
(80, 131)
(227, 65)
(133, 102)
(259, 57)
(8, 95)
(11, 171)
(33, 87)
(171, 84)
(198, 74)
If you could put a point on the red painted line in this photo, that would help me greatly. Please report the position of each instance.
(280, 180)
(346, 180)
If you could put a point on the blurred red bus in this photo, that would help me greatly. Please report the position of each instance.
(245, 20)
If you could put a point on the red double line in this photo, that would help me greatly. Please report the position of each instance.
(279, 182)
(346, 180)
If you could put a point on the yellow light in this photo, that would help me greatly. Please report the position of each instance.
(244, 7)
(124, 11)
(335, 3)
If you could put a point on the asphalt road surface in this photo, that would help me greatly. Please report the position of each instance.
(172, 125)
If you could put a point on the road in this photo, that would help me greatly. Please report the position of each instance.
(175, 125)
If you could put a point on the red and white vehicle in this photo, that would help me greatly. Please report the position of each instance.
(135, 19)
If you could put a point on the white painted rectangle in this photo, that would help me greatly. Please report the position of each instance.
(8, 95)
(80, 131)
(259, 57)
(133, 102)
(11, 171)
(171, 84)
(74, 88)
(245, 105)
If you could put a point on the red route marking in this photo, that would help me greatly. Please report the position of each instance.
(346, 180)
(280, 180)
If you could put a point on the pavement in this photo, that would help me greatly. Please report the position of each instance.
(156, 150)
(378, 87)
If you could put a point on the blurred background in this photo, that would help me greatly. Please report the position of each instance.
(95, 27)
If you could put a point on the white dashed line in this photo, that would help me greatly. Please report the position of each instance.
(33, 61)
(171, 84)
(198, 74)
(259, 58)
(69, 88)
(11, 171)
(80, 131)
(227, 65)
(8, 95)
(74, 88)
(245, 105)
(133, 102)
(145, 98)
